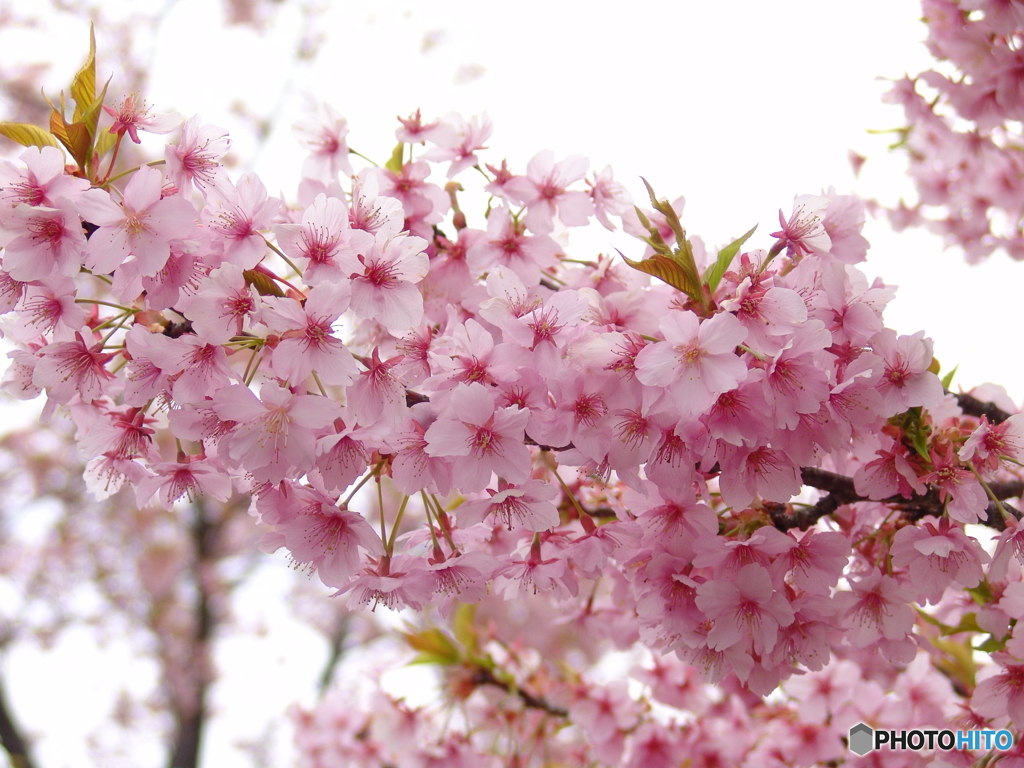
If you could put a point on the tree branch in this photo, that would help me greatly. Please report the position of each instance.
(484, 676)
(335, 653)
(842, 491)
(190, 723)
(11, 738)
(972, 406)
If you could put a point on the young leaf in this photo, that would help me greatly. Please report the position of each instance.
(434, 646)
(83, 87)
(394, 163)
(465, 632)
(668, 270)
(74, 136)
(264, 284)
(91, 115)
(28, 135)
(948, 378)
(713, 274)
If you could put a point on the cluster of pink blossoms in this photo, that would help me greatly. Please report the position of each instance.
(642, 454)
(963, 132)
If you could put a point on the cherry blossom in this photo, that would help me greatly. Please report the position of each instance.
(143, 224)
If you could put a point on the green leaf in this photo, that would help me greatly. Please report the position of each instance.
(74, 136)
(956, 660)
(264, 284)
(991, 645)
(666, 269)
(104, 143)
(462, 624)
(948, 378)
(713, 274)
(91, 115)
(394, 163)
(83, 87)
(435, 647)
(981, 594)
(968, 623)
(28, 135)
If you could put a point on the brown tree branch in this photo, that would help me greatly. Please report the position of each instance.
(190, 720)
(484, 676)
(11, 737)
(972, 406)
(842, 491)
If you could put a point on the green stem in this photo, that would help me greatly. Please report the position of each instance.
(280, 253)
(360, 154)
(373, 473)
(130, 170)
(1007, 517)
(389, 548)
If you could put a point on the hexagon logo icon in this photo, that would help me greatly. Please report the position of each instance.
(861, 739)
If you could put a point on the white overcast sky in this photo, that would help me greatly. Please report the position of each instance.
(737, 106)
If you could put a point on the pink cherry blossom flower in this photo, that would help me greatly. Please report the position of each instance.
(41, 182)
(377, 394)
(906, 382)
(237, 214)
(525, 506)
(196, 158)
(414, 131)
(1010, 544)
(307, 341)
(69, 368)
(991, 444)
(399, 583)
(327, 538)
(191, 477)
(413, 468)
(804, 231)
(960, 490)
(195, 368)
(937, 553)
(843, 222)
(324, 136)
(763, 471)
(223, 305)
(888, 475)
(794, 380)
(462, 578)
(696, 362)
(548, 328)
(458, 141)
(384, 282)
(323, 245)
(608, 197)
(1003, 693)
(119, 433)
(132, 116)
(749, 607)
(490, 438)
(273, 434)
(143, 224)
(875, 609)
(421, 201)
(538, 576)
(48, 306)
(508, 245)
(342, 457)
(816, 562)
(543, 190)
(768, 315)
(373, 213)
(39, 242)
